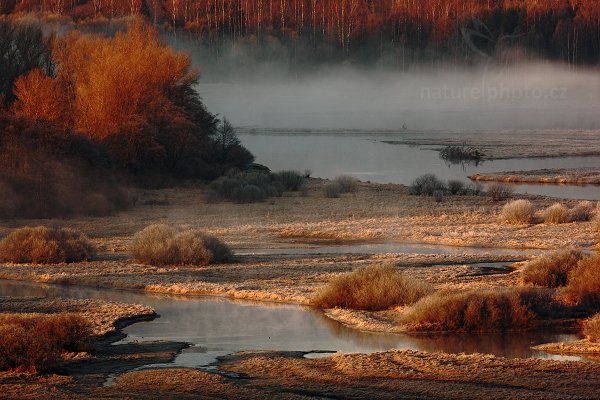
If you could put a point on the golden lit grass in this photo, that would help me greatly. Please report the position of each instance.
(551, 270)
(591, 328)
(163, 245)
(583, 211)
(517, 212)
(495, 310)
(584, 282)
(35, 343)
(556, 214)
(374, 289)
(44, 245)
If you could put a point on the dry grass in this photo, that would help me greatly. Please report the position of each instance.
(44, 245)
(584, 282)
(583, 211)
(35, 343)
(477, 310)
(163, 245)
(374, 289)
(591, 328)
(556, 214)
(551, 270)
(517, 212)
(332, 190)
(499, 191)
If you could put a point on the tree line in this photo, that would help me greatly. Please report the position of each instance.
(83, 114)
(567, 30)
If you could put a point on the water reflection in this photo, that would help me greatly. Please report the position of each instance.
(219, 326)
(366, 156)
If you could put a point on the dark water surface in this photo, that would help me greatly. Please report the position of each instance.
(219, 326)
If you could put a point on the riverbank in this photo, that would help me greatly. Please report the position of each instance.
(578, 176)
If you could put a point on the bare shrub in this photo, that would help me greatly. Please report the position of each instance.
(478, 310)
(347, 183)
(292, 181)
(426, 185)
(438, 195)
(248, 194)
(163, 245)
(332, 190)
(591, 328)
(35, 343)
(456, 187)
(374, 288)
(42, 245)
(556, 214)
(517, 212)
(583, 211)
(551, 270)
(499, 191)
(583, 285)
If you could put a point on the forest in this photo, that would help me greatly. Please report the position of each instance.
(83, 117)
(398, 32)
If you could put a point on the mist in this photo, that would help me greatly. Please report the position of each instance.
(527, 96)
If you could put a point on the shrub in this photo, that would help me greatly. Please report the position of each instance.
(291, 181)
(499, 191)
(583, 211)
(374, 288)
(36, 343)
(163, 245)
(247, 194)
(426, 185)
(44, 245)
(517, 212)
(455, 154)
(347, 183)
(456, 187)
(438, 195)
(551, 270)
(332, 190)
(556, 214)
(583, 285)
(491, 310)
(591, 328)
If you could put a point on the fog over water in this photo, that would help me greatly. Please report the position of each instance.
(522, 96)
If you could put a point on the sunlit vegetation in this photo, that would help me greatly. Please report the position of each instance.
(374, 288)
(583, 211)
(163, 245)
(43, 245)
(499, 191)
(83, 111)
(363, 29)
(583, 285)
(591, 328)
(556, 214)
(517, 212)
(36, 343)
(493, 310)
(255, 186)
(551, 270)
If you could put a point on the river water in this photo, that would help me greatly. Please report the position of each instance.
(218, 326)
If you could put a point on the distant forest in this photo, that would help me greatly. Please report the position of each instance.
(391, 31)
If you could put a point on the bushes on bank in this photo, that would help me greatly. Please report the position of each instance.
(493, 310)
(254, 186)
(43, 245)
(36, 343)
(583, 285)
(347, 183)
(427, 185)
(163, 245)
(551, 270)
(373, 289)
(517, 212)
(499, 191)
(591, 328)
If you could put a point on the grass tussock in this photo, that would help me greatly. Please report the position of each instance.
(36, 343)
(499, 191)
(583, 285)
(43, 245)
(591, 328)
(373, 289)
(163, 245)
(517, 212)
(583, 211)
(478, 310)
(556, 214)
(551, 270)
